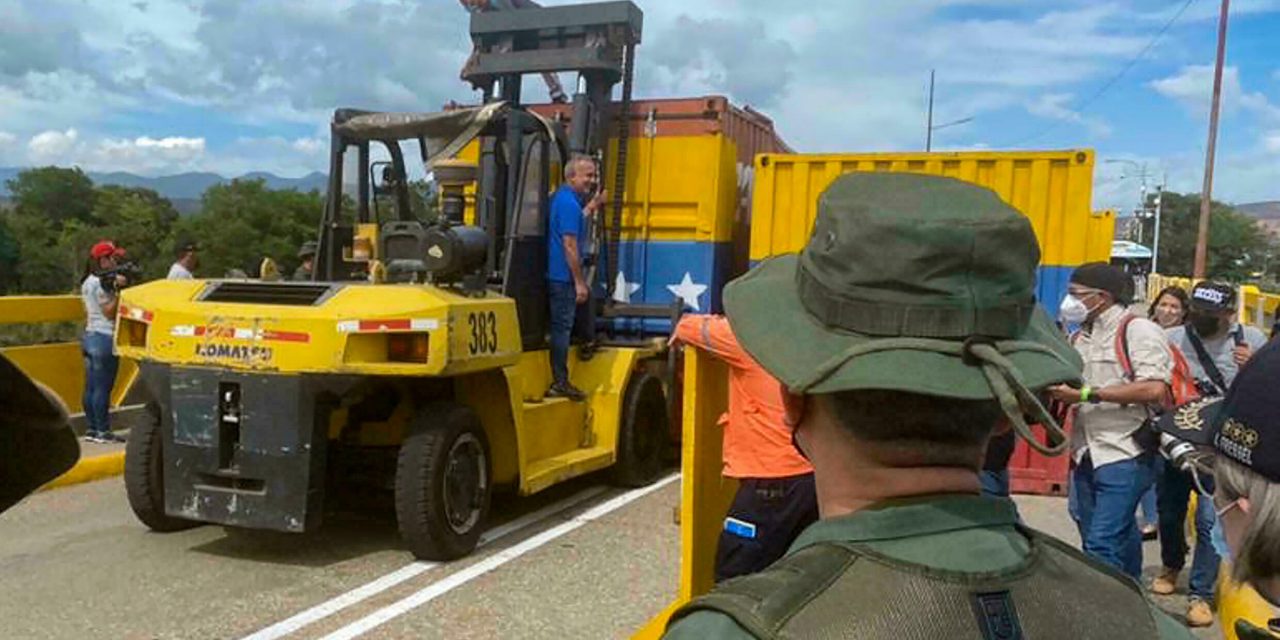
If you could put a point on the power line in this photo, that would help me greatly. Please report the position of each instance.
(1106, 86)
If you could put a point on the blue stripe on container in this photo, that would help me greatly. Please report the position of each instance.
(656, 265)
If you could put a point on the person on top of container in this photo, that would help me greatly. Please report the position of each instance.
(776, 498)
(1112, 470)
(566, 279)
(1216, 347)
(184, 267)
(896, 376)
(100, 361)
(1243, 430)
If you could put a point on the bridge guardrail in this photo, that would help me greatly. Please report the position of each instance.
(59, 365)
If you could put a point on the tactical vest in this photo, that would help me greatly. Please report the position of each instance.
(836, 590)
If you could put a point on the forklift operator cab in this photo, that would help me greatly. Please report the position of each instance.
(379, 234)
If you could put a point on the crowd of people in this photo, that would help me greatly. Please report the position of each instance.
(875, 403)
(899, 405)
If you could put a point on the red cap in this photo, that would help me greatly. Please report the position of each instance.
(104, 249)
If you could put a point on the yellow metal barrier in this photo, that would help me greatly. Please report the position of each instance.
(58, 365)
(705, 494)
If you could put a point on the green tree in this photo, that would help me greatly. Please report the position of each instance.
(243, 222)
(9, 254)
(54, 193)
(1237, 247)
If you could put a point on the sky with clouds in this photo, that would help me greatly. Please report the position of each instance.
(164, 86)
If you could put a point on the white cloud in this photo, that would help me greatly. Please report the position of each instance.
(52, 146)
(7, 138)
(1272, 142)
(1192, 87)
(144, 155)
(1055, 106)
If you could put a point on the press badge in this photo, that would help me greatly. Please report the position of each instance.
(740, 528)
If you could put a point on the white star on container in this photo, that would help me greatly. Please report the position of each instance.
(622, 289)
(688, 291)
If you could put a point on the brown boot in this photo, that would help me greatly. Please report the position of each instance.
(1199, 614)
(1165, 583)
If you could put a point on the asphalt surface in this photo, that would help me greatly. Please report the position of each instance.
(582, 561)
(78, 565)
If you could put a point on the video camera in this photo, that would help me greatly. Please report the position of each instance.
(130, 270)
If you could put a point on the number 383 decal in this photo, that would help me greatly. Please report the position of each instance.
(484, 332)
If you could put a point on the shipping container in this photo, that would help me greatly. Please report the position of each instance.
(1053, 189)
(686, 206)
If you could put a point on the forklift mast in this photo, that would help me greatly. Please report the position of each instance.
(596, 41)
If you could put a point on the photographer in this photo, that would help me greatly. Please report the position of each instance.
(1216, 347)
(1244, 430)
(99, 291)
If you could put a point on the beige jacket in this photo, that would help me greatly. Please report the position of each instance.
(1103, 430)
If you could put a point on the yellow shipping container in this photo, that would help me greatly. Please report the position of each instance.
(1052, 188)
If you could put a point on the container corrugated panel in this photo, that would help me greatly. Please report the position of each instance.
(685, 221)
(1052, 188)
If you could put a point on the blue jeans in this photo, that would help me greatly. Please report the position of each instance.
(100, 365)
(1148, 505)
(995, 483)
(564, 311)
(1174, 487)
(1106, 499)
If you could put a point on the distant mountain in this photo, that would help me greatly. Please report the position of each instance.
(185, 186)
(1261, 210)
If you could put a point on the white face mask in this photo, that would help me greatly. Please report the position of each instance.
(1073, 310)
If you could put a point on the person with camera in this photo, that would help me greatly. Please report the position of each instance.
(1111, 469)
(1215, 346)
(100, 294)
(1242, 430)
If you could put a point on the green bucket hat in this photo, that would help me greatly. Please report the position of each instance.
(912, 283)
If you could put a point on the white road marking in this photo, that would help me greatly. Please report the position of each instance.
(453, 581)
(411, 570)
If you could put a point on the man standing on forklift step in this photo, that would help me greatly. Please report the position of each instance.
(776, 499)
(566, 284)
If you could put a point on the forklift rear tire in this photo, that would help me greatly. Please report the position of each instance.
(642, 436)
(443, 483)
(144, 474)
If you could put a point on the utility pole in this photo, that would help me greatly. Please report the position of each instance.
(1155, 248)
(1206, 194)
(928, 137)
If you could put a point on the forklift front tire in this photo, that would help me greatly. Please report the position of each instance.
(443, 483)
(144, 474)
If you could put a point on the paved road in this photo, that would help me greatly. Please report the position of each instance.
(594, 563)
(582, 561)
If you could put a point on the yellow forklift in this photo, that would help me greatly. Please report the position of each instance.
(417, 356)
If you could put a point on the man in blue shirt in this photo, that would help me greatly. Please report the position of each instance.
(568, 288)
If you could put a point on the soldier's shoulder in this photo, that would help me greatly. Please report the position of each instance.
(758, 604)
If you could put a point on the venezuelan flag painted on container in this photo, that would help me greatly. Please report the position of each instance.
(1052, 188)
(685, 221)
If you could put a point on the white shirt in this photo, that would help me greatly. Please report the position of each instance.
(1104, 430)
(179, 272)
(93, 296)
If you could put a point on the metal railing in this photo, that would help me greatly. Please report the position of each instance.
(59, 365)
